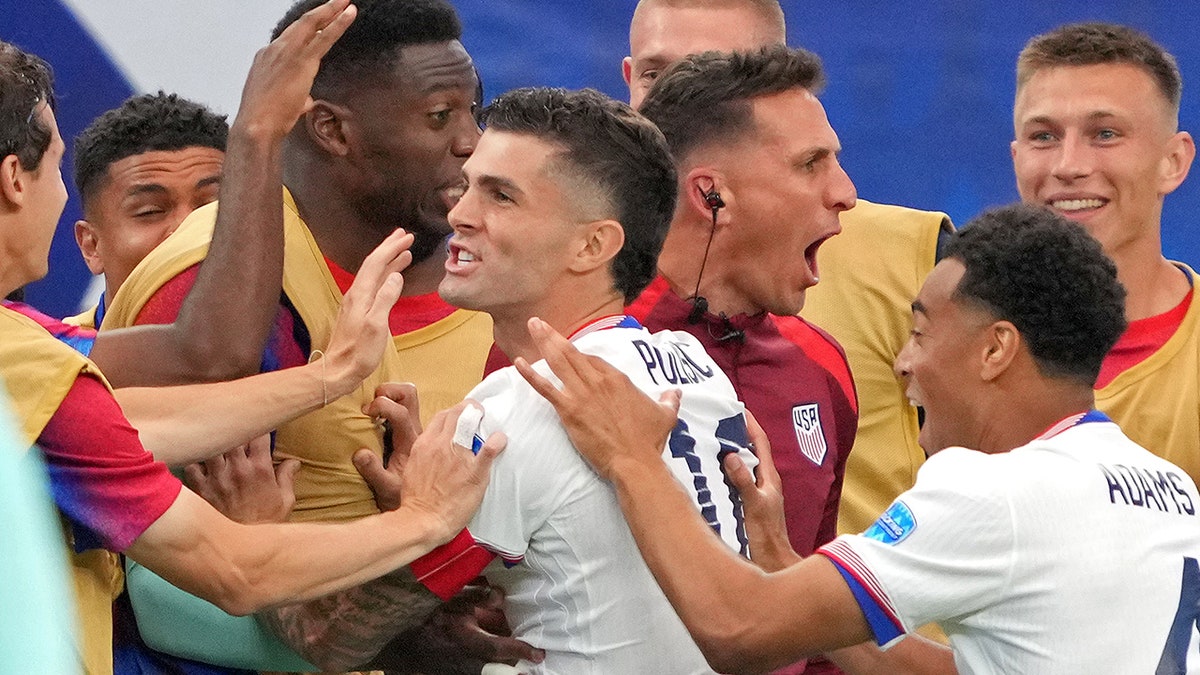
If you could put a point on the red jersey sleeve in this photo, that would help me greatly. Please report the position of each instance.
(108, 486)
(164, 305)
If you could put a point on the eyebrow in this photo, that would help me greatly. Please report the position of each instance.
(918, 307)
(211, 180)
(1091, 117)
(498, 183)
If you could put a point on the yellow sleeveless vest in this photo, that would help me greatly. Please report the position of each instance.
(38, 371)
(1157, 402)
(871, 273)
(328, 488)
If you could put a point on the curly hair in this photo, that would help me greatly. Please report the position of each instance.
(142, 124)
(615, 153)
(1087, 44)
(708, 96)
(25, 82)
(371, 46)
(1050, 278)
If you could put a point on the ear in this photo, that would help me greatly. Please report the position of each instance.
(1002, 343)
(698, 183)
(602, 241)
(1012, 150)
(326, 126)
(85, 238)
(1181, 151)
(627, 69)
(12, 182)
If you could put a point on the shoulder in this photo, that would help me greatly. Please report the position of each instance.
(186, 247)
(818, 346)
(899, 220)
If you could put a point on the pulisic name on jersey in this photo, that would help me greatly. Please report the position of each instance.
(1136, 486)
(674, 367)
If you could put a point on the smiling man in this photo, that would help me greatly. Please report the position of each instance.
(1098, 141)
(1032, 549)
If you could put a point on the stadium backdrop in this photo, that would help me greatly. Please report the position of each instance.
(919, 91)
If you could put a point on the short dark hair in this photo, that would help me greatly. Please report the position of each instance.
(371, 46)
(708, 96)
(1088, 44)
(142, 124)
(25, 82)
(615, 151)
(1051, 279)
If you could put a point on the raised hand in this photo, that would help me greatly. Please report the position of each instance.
(361, 331)
(606, 416)
(277, 88)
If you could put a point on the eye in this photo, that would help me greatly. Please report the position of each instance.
(1107, 135)
(440, 118)
(651, 75)
(502, 197)
(1042, 137)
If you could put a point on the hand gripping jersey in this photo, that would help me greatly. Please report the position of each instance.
(576, 585)
(1076, 553)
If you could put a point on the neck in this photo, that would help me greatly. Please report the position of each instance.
(680, 262)
(511, 330)
(1015, 420)
(346, 237)
(1153, 285)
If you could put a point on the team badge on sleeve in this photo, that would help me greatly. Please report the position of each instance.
(807, 420)
(894, 525)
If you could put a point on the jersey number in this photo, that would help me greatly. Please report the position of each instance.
(731, 436)
(1187, 621)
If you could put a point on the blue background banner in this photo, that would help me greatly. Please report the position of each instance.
(919, 92)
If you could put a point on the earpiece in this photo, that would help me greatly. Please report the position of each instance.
(713, 199)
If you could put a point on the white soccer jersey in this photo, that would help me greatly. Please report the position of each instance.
(1066, 555)
(576, 585)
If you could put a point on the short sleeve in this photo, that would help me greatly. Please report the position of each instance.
(942, 549)
(530, 477)
(102, 479)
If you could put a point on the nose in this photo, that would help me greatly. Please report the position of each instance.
(466, 138)
(841, 195)
(463, 213)
(1074, 159)
(902, 365)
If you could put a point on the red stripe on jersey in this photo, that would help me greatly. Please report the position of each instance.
(820, 347)
(641, 308)
(448, 568)
(845, 557)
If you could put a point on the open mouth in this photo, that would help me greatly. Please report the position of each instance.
(458, 257)
(451, 195)
(810, 256)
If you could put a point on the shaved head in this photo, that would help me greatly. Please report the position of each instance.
(663, 32)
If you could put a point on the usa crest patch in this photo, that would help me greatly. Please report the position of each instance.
(809, 436)
(894, 525)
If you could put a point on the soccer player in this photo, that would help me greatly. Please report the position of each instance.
(1051, 535)
(870, 271)
(140, 169)
(569, 197)
(1098, 141)
(108, 487)
(381, 147)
